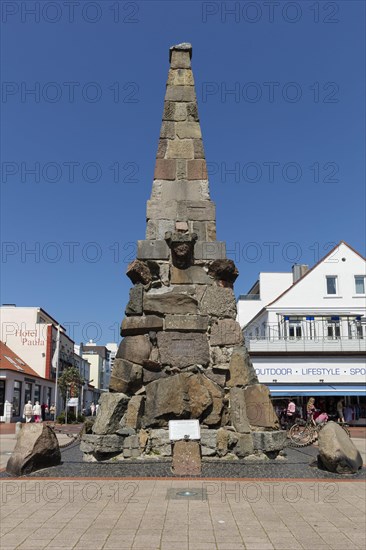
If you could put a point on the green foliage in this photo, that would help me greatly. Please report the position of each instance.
(61, 418)
(70, 380)
(71, 418)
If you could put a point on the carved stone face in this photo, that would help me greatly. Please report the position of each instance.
(182, 254)
(182, 248)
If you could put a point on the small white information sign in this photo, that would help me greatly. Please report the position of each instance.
(178, 429)
(73, 402)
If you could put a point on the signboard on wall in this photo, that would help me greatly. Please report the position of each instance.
(305, 370)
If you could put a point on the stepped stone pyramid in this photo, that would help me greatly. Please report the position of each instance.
(182, 355)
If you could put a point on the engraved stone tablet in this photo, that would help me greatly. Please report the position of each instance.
(187, 458)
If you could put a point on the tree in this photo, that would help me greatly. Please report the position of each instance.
(70, 380)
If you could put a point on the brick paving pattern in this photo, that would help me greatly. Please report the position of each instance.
(104, 514)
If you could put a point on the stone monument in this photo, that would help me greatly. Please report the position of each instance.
(182, 355)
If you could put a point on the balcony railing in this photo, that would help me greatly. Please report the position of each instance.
(307, 345)
(249, 297)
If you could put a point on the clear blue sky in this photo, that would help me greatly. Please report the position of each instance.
(294, 129)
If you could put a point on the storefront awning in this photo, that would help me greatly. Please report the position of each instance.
(279, 390)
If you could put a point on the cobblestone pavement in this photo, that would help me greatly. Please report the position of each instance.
(158, 515)
(296, 465)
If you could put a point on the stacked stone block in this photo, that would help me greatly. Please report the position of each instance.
(182, 355)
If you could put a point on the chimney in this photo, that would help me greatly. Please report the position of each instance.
(298, 271)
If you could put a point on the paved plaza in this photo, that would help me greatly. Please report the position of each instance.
(148, 514)
(254, 507)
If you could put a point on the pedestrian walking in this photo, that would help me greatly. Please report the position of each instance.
(28, 411)
(96, 408)
(92, 408)
(43, 413)
(37, 412)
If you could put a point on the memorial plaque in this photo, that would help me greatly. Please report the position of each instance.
(179, 429)
(180, 349)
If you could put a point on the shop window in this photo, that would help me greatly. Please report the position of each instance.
(16, 398)
(49, 393)
(27, 392)
(37, 393)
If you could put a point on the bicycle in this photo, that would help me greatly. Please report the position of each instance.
(304, 433)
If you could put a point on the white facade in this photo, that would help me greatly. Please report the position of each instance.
(31, 332)
(266, 289)
(314, 331)
(19, 383)
(112, 347)
(100, 368)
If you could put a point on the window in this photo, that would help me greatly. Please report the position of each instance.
(49, 393)
(294, 329)
(331, 284)
(27, 392)
(37, 393)
(333, 328)
(360, 284)
(16, 398)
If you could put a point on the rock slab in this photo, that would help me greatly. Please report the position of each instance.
(260, 411)
(111, 410)
(337, 453)
(36, 448)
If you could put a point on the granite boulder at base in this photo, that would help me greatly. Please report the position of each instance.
(337, 453)
(182, 355)
(36, 448)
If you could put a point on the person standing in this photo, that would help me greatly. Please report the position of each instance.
(291, 412)
(52, 411)
(310, 408)
(28, 411)
(43, 409)
(92, 408)
(96, 408)
(340, 410)
(37, 411)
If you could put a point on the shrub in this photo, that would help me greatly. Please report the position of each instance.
(71, 418)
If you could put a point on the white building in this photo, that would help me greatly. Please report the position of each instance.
(99, 359)
(32, 333)
(19, 383)
(306, 331)
(89, 393)
(112, 347)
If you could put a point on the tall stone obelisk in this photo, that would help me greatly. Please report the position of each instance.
(182, 355)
